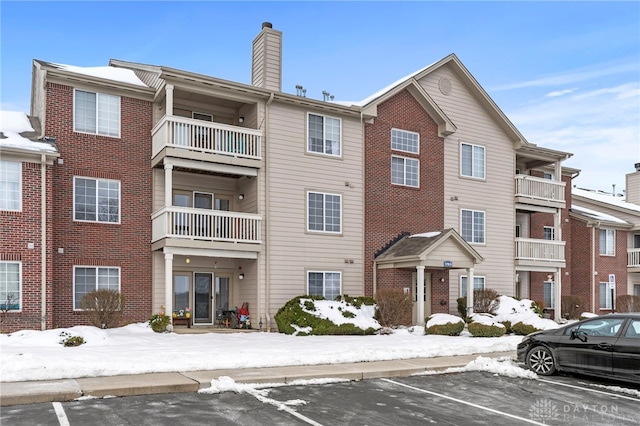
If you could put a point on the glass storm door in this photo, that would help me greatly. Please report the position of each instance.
(202, 298)
(180, 292)
(222, 295)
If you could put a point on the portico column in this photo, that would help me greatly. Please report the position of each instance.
(469, 291)
(557, 308)
(168, 283)
(168, 184)
(420, 294)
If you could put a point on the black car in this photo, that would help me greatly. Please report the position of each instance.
(606, 346)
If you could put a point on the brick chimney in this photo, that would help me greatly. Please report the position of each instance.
(266, 61)
(633, 186)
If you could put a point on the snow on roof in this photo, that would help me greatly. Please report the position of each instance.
(426, 234)
(12, 123)
(596, 215)
(604, 197)
(382, 91)
(110, 73)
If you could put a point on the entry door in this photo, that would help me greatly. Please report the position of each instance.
(222, 294)
(181, 283)
(427, 295)
(203, 298)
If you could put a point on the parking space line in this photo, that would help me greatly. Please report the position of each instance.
(464, 402)
(281, 406)
(589, 389)
(62, 416)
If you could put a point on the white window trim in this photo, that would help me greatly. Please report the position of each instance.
(484, 225)
(484, 161)
(324, 136)
(613, 251)
(97, 115)
(475, 277)
(324, 223)
(417, 151)
(553, 232)
(19, 209)
(98, 221)
(405, 171)
(324, 292)
(608, 302)
(19, 263)
(73, 290)
(553, 294)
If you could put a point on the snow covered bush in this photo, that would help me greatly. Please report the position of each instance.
(444, 325)
(523, 329)
(484, 325)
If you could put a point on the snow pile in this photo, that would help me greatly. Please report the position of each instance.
(515, 311)
(587, 315)
(486, 319)
(442, 319)
(504, 366)
(332, 310)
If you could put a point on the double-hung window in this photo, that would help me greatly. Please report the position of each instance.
(403, 140)
(324, 135)
(96, 113)
(478, 284)
(91, 278)
(10, 185)
(10, 286)
(549, 294)
(96, 200)
(405, 171)
(324, 212)
(472, 226)
(324, 283)
(548, 233)
(472, 161)
(607, 242)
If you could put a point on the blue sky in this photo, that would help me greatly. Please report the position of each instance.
(567, 74)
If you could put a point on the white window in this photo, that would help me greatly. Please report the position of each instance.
(549, 294)
(96, 113)
(324, 212)
(10, 286)
(91, 278)
(322, 283)
(324, 135)
(472, 160)
(606, 296)
(478, 284)
(10, 185)
(96, 200)
(549, 233)
(405, 171)
(548, 176)
(607, 242)
(402, 140)
(472, 226)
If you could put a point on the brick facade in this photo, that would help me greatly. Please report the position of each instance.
(125, 245)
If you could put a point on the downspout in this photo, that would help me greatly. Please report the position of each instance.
(43, 242)
(267, 289)
(593, 266)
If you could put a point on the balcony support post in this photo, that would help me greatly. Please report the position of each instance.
(168, 184)
(169, 99)
(557, 309)
(420, 294)
(168, 283)
(469, 291)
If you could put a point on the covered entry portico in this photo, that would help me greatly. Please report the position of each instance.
(439, 252)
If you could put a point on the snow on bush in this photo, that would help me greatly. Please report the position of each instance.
(444, 325)
(520, 311)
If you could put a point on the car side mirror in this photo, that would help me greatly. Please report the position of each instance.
(580, 335)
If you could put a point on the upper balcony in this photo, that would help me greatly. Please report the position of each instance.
(540, 253)
(537, 191)
(203, 228)
(633, 260)
(211, 142)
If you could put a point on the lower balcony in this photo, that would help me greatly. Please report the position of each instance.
(543, 253)
(197, 227)
(633, 260)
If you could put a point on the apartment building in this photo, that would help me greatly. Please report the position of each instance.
(605, 228)
(444, 162)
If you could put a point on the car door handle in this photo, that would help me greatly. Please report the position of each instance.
(605, 345)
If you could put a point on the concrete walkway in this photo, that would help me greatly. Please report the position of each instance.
(17, 393)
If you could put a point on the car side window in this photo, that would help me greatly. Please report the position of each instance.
(607, 327)
(633, 330)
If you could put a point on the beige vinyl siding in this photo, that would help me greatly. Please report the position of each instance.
(633, 188)
(494, 195)
(293, 172)
(267, 60)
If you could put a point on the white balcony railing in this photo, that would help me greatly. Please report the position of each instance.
(539, 189)
(206, 225)
(633, 258)
(539, 250)
(206, 137)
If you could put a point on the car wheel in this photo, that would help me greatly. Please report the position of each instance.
(540, 361)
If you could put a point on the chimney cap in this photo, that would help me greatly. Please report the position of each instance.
(637, 166)
(267, 25)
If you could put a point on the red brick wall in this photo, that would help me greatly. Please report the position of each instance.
(125, 245)
(606, 265)
(17, 231)
(580, 265)
(392, 209)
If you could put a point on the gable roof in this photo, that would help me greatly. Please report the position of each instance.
(428, 250)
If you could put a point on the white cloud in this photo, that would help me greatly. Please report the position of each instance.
(559, 93)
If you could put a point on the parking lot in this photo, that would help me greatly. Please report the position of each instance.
(451, 399)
